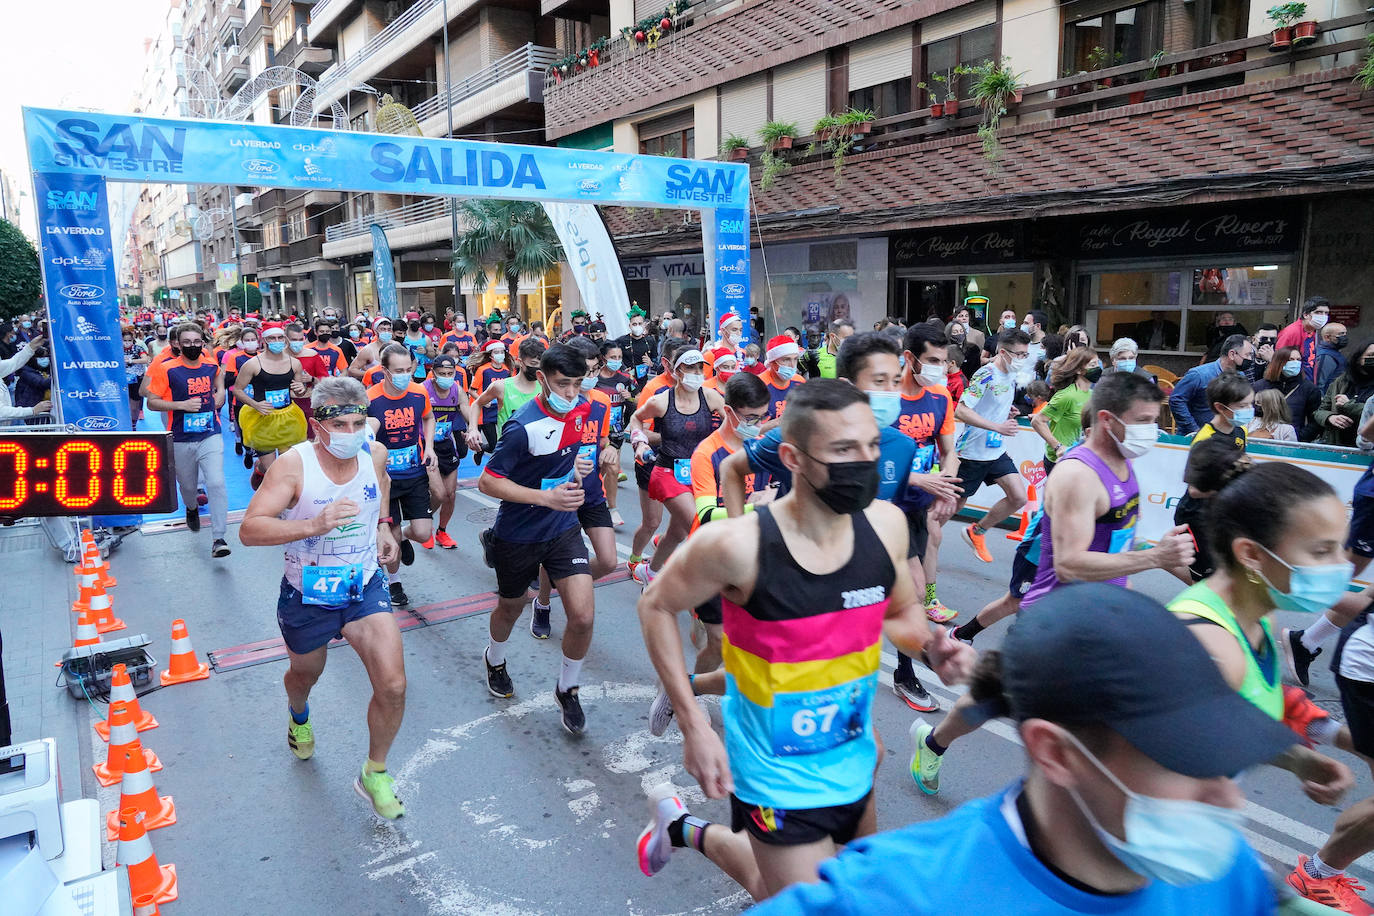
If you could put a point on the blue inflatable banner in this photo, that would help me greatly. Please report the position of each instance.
(726, 248)
(383, 273)
(133, 148)
(83, 301)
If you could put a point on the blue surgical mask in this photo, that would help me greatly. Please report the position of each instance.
(750, 361)
(460, 326)
(559, 403)
(354, 333)
(1292, 368)
(1311, 589)
(42, 362)
(276, 346)
(297, 346)
(785, 372)
(346, 445)
(748, 431)
(1173, 840)
(614, 365)
(1009, 323)
(1243, 417)
(26, 323)
(429, 325)
(443, 382)
(1125, 365)
(887, 406)
(400, 380)
(588, 382)
(384, 336)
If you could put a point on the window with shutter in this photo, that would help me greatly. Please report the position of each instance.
(799, 92)
(744, 107)
(963, 19)
(880, 59)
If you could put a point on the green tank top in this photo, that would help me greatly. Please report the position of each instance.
(1262, 685)
(512, 399)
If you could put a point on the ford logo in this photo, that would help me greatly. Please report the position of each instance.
(733, 289)
(590, 185)
(260, 167)
(97, 423)
(81, 291)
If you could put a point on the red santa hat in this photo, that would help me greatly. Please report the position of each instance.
(781, 347)
(723, 355)
(494, 344)
(726, 319)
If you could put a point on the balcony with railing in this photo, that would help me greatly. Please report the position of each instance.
(424, 222)
(511, 80)
(298, 53)
(325, 14)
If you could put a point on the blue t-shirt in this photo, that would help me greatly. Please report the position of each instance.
(972, 861)
(894, 460)
(537, 450)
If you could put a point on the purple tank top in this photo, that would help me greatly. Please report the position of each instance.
(1113, 532)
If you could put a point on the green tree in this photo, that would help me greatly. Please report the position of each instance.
(242, 291)
(20, 279)
(510, 238)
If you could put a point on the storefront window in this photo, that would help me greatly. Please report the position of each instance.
(364, 292)
(1109, 39)
(1172, 309)
(921, 298)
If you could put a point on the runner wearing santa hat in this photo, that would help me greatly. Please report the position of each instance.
(781, 359)
(729, 333)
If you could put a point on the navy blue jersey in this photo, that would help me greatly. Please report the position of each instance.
(537, 450)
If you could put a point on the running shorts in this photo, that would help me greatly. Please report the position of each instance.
(1361, 539)
(410, 498)
(917, 532)
(518, 564)
(598, 516)
(664, 485)
(1357, 700)
(798, 826)
(1022, 570)
(307, 627)
(448, 456)
(974, 474)
(711, 613)
(642, 474)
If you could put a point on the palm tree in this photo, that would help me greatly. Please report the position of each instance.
(512, 239)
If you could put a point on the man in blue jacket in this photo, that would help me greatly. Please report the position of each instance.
(1189, 398)
(1127, 805)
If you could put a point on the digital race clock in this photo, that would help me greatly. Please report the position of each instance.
(112, 473)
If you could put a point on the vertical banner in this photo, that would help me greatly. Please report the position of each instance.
(383, 273)
(83, 301)
(725, 243)
(587, 247)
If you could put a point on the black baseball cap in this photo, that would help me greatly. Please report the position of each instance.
(1099, 654)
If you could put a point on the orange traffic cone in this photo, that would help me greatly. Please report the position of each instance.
(146, 877)
(102, 609)
(123, 736)
(86, 633)
(1028, 510)
(146, 905)
(137, 791)
(92, 564)
(184, 666)
(121, 688)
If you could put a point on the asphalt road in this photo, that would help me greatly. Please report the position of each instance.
(507, 814)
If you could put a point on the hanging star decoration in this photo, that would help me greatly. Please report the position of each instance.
(652, 37)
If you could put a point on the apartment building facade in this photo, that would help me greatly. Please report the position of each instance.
(1161, 165)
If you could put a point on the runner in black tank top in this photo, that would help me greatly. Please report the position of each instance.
(677, 435)
(808, 588)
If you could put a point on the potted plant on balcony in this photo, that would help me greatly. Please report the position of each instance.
(937, 105)
(1097, 60)
(734, 148)
(1284, 16)
(858, 122)
(1364, 76)
(778, 135)
(995, 86)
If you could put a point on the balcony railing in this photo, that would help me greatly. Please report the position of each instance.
(419, 212)
(323, 14)
(530, 57)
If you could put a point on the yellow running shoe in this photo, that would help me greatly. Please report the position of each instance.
(300, 738)
(377, 789)
(938, 613)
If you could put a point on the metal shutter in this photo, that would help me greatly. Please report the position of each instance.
(668, 124)
(743, 108)
(799, 93)
(880, 59)
(954, 22)
(646, 8)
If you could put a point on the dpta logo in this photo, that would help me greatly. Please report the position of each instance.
(324, 148)
(739, 267)
(260, 167)
(107, 391)
(97, 423)
(82, 291)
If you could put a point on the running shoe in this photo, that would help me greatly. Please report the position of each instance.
(1300, 713)
(623, 477)
(925, 763)
(1298, 656)
(654, 848)
(193, 519)
(539, 620)
(915, 695)
(660, 714)
(429, 544)
(378, 789)
(498, 681)
(407, 552)
(300, 738)
(487, 539)
(219, 549)
(1337, 892)
(248, 459)
(477, 457)
(573, 719)
(399, 598)
(977, 541)
(238, 448)
(938, 613)
(642, 574)
(443, 540)
(617, 519)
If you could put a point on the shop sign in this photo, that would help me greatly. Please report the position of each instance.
(1184, 233)
(976, 244)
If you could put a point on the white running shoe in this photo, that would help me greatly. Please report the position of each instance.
(660, 713)
(654, 847)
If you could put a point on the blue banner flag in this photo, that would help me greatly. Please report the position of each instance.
(383, 273)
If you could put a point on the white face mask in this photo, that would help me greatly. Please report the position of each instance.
(637, 330)
(346, 445)
(694, 380)
(935, 374)
(1140, 438)
(1173, 840)
(1319, 321)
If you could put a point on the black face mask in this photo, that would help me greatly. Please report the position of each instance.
(1246, 365)
(531, 372)
(191, 353)
(1093, 374)
(1340, 342)
(851, 487)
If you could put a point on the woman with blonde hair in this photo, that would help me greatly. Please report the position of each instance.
(1273, 419)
